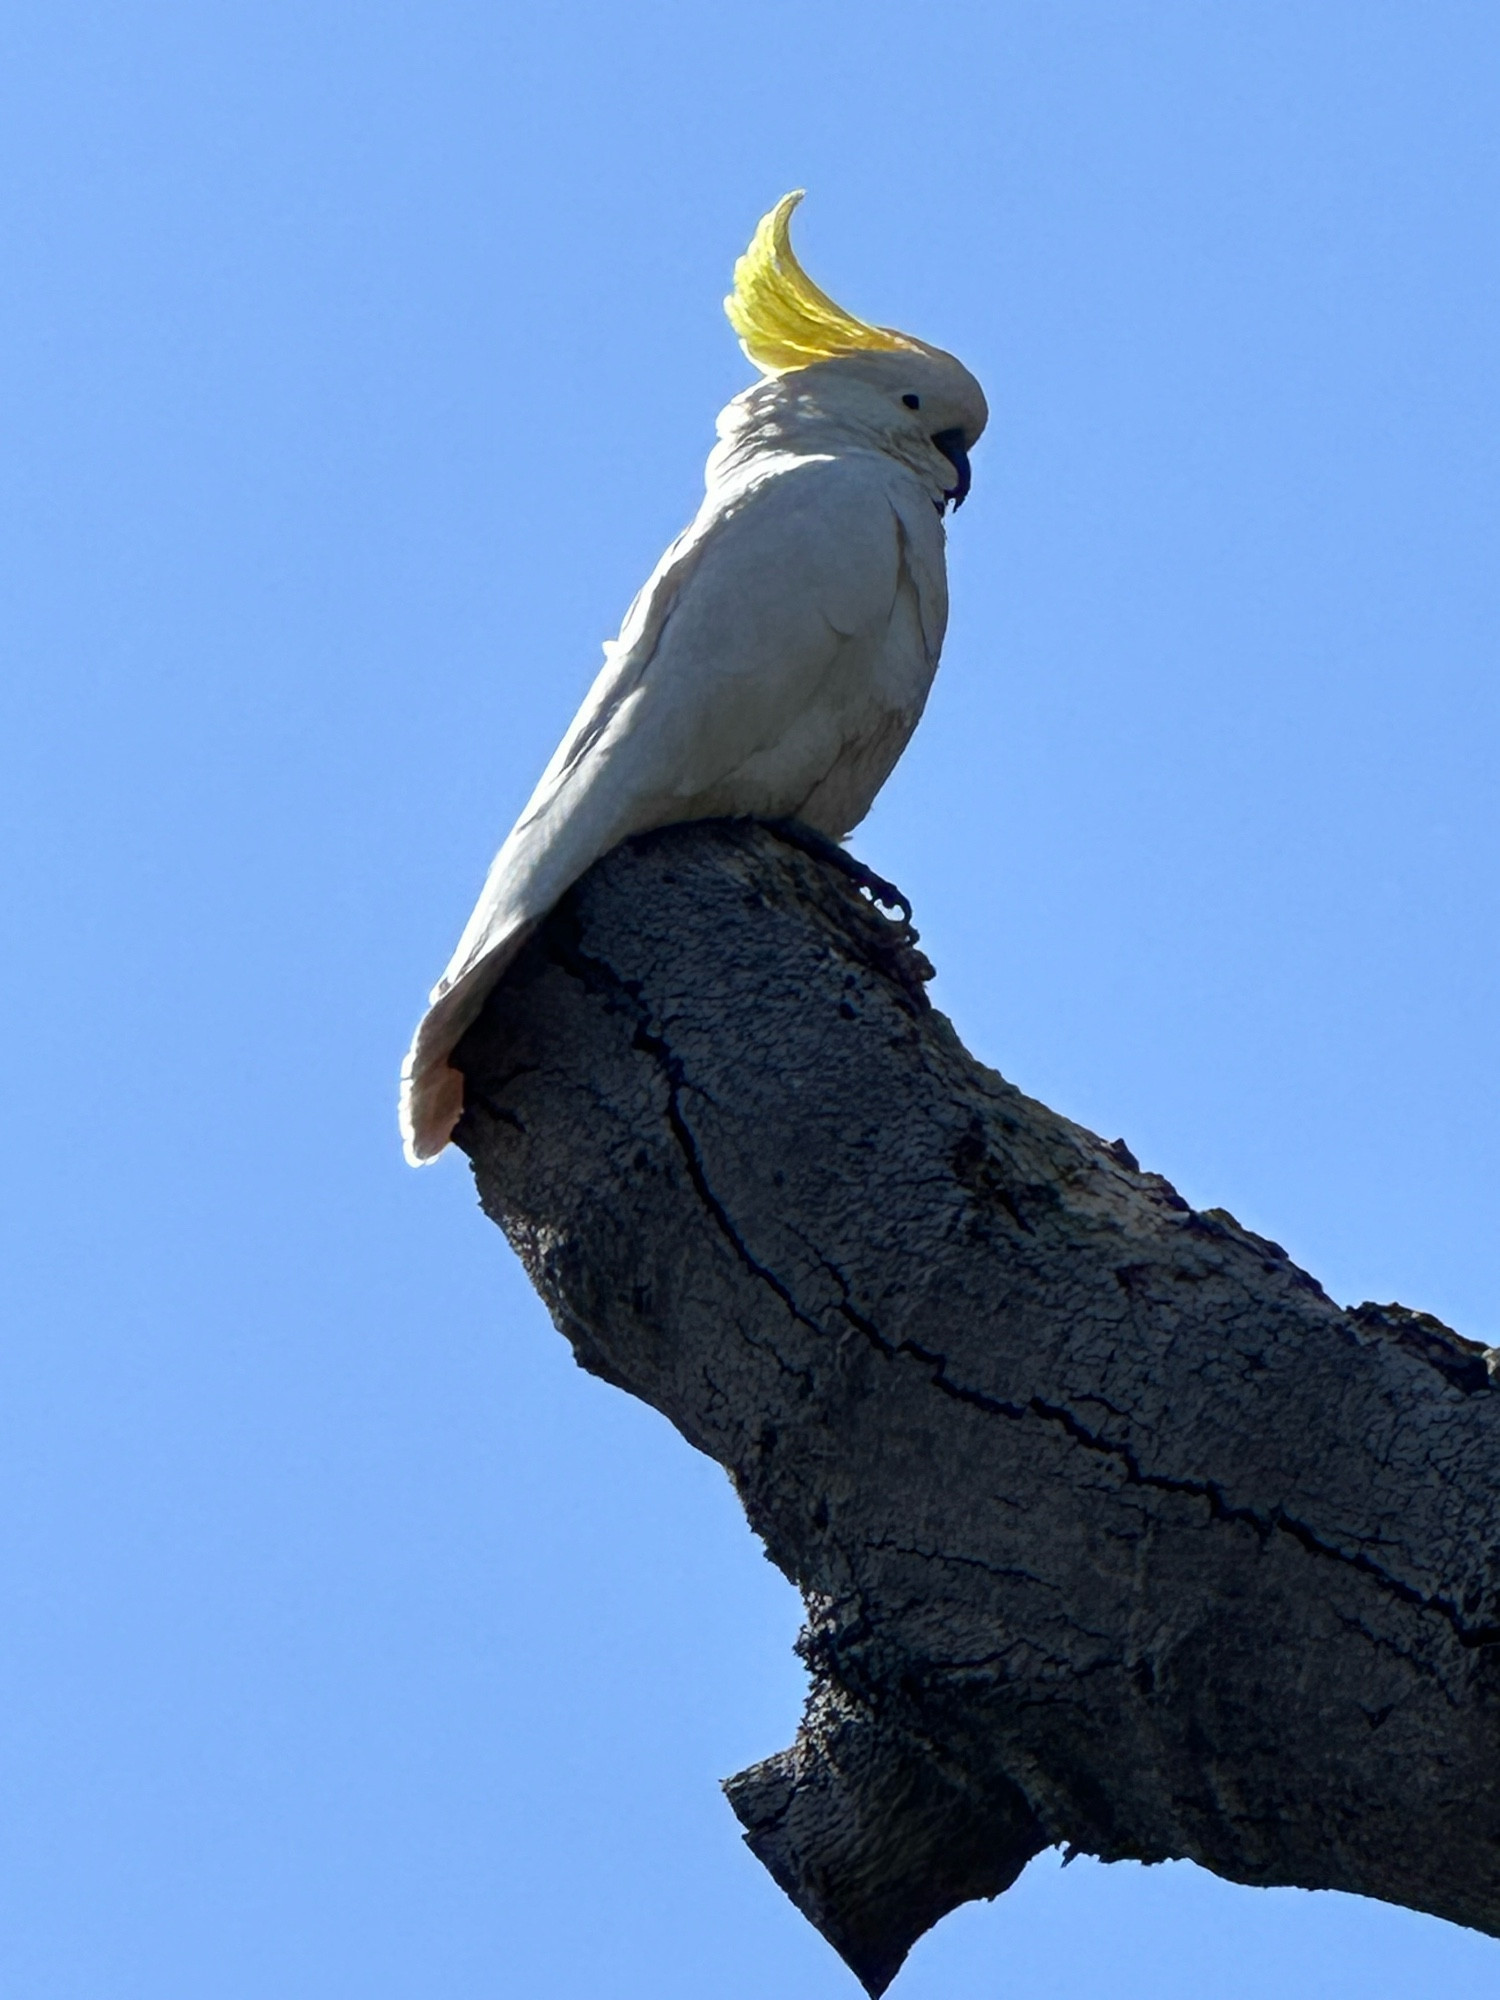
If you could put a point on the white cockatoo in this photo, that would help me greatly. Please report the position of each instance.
(779, 655)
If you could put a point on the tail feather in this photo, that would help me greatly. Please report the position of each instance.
(432, 1091)
(550, 847)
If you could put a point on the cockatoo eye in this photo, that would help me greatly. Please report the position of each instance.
(912, 402)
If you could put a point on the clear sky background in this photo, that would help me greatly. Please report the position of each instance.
(358, 361)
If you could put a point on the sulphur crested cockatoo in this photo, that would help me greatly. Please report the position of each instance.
(779, 655)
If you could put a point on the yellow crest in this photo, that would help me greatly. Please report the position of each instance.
(783, 319)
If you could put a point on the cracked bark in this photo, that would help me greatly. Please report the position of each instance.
(1113, 1529)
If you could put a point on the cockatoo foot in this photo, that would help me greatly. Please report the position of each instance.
(797, 833)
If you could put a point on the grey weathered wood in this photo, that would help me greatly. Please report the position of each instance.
(1113, 1529)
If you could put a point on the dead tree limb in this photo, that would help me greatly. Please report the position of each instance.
(1113, 1529)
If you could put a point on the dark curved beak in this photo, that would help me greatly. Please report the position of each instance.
(951, 445)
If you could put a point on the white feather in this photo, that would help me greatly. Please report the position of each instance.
(774, 665)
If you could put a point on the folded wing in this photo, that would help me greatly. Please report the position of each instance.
(741, 675)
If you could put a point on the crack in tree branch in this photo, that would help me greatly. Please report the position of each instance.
(598, 973)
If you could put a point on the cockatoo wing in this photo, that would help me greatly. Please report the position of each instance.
(723, 695)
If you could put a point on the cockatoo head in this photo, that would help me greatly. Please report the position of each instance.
(879, 386)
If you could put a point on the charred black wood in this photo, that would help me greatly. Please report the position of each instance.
(1113, 1529)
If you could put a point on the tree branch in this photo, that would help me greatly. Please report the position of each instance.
(1113, 1529)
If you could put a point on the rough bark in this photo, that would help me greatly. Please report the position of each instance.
(1113, 1529)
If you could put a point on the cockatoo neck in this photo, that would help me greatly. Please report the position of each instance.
(798, 416)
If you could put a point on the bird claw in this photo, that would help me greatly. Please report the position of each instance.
(821, 848)
(886, 894)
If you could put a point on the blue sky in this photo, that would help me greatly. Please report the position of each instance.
(359, 360)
